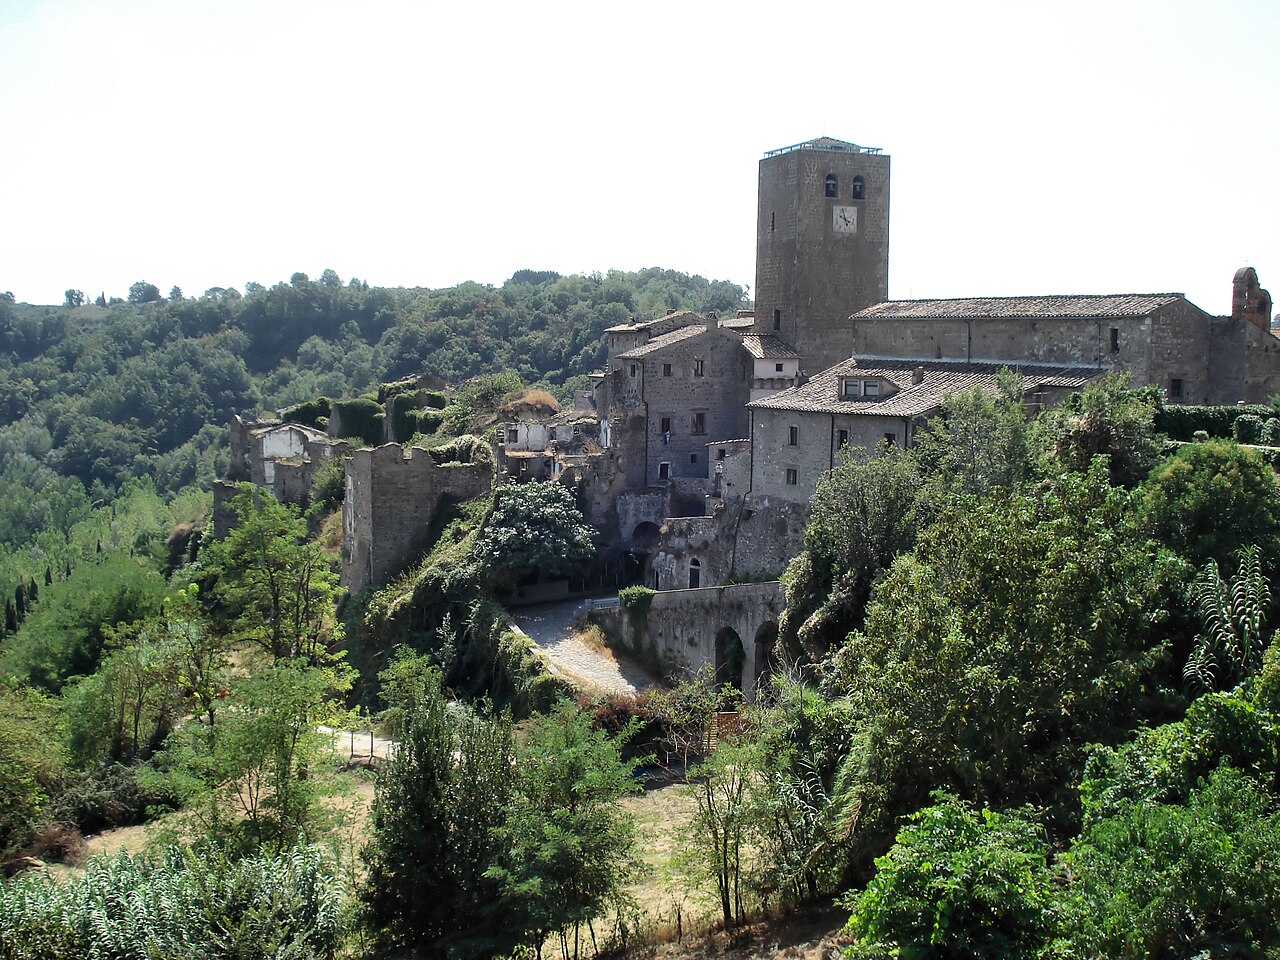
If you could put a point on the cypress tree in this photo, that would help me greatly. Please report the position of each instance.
(48, 576)
(20, 602)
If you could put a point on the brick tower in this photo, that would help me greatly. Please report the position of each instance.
(822, 245)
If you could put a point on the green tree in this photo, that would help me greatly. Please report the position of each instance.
(864, 513)
(428, 885)
(567, 846)
(273, 588)
(74, 298)
(1210, 499)
(1105, 418)
(143, 292)
(1016, 632)
(535, 528)
(1175, 881)
(31, 760)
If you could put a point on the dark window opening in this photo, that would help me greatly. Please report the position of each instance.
(833, 185)
(698, 423)
(664, 425)
(720, 454)
(666, 369)
(695, 574)
(859, 188)
(1115, 340)
(633, 370)
(698, 368)
(513, 435)
(1175, 388)
(777, 319)
(693, 458)
(577, 431)
(771, 223)
(842, 438)
(664, 471)
(891, 439)
(777, 368)
(793, 436)
(792, 476)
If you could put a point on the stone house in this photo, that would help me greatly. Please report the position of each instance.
(797, 435)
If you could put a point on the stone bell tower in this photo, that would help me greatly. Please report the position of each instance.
(822, 245)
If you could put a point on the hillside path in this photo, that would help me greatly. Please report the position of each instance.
(550, 626)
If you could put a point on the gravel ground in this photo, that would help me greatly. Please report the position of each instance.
(550, 626)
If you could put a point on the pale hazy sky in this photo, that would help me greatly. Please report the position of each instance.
(1038, 147)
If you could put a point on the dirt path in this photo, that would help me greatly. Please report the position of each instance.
(550, 626)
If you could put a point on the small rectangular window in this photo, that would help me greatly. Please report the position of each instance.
(871, 388)
(777, 368)
(698, 423)
(1115, 340)
(693, 458)
(891, 439)
(1175, 388)
(793, 436)
(850, 389)
(664, 425)
(720, 454)
(792, 476)
(633, 370)
(666, 369)
(513, 435)
(777, 319)
(664, 471)
(698, 368)
(842, 438)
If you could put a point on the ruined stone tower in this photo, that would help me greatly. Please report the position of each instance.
(822, 245)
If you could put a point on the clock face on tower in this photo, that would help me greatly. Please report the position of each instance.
(844, 220)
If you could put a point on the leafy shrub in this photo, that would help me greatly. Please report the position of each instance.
(464, 449)
(1247, 428)
(184, 905)
(330, 484)
(1271, 432)
(108, 797)
(957, 883)
(404, 423)
(1181, 422)
(310, 413)
(434, 400)
(361, 418)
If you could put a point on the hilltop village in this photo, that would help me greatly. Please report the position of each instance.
(697, 449)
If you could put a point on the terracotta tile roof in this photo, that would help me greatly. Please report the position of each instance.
(666, 340)
(738, 323)
(941, 378)
(1031, 308)
(765, 346)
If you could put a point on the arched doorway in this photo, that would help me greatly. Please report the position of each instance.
(730, 658)
(644, 537)
(766, 654)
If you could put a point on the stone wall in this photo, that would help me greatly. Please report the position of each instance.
(392, 497)
(685, 629)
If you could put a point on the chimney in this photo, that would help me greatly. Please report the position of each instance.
(917, 375)
(712, 323)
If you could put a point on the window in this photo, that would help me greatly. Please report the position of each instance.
(1175, 388)
(693, 458)
(777, 319)
(771, 223)
(698, 367)
(891, 439)
(666, 369)
(720, 454)
(664, 428)
(859, 188)
(664, 471)
(793, 436)
(871, 388)
(577, 431)
(833, 185)
(513, 435)
(698, 423)
(695, 573)
(850, 389)
(1115, 340)
(842, 438)
(793, 476)
(633, 370)
(777, 368)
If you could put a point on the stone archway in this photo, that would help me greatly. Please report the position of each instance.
(765, 659)
(731, 658)
(644, 537)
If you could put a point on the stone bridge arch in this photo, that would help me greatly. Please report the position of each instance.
(734, 628)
